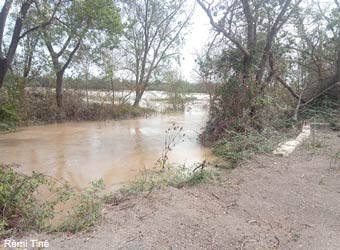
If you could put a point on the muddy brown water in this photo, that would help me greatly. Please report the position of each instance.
(116, 151)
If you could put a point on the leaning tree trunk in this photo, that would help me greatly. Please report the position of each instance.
(139, 94)
(138, 98)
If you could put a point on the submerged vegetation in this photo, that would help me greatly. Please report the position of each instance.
(87, 211)
(23, 210)
(40, 107)
(20, 208)
(28, 202)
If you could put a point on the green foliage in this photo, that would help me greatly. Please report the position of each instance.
(119, 84)
(335, 161)
(176, 176)
(239, 147)
(199, 177)
(19, 206)
(9, 107)
(324, 109)
(22, 209)
(315, 144)
(87, 211)
(41, 108)
(8, 116)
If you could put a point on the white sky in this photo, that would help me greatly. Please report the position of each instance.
(198, 35)
(196, 38)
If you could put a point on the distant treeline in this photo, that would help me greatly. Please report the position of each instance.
(117, 84)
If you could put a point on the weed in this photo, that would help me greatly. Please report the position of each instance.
(19, 206)
(335, 161)
(199, 177)
(295, 237)
(87, 211)
(9, 114)
(8, 117)
(173, 136)
(174, 176)
(315, 144)
(239, 147)
(41, 107)
(335, 125)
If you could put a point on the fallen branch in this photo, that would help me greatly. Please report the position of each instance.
(200, 166)
(320, 94)
(289, 88)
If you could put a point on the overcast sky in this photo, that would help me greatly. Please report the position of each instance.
(198, 35)
(195, 40)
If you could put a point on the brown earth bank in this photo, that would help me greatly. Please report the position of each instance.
(269, 203)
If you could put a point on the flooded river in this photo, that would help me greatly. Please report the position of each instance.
(115, 151)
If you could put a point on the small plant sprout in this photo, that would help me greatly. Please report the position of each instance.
(335, 161)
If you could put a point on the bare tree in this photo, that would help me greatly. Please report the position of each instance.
(153, 38)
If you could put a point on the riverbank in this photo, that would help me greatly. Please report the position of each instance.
(39, 108)
(269, 203)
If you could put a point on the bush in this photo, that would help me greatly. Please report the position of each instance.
(239, 147)
(41, 107)
(323, 109)
(19, 207)
(9, 111)
(174, 176)
(87, 211)
(8, 116)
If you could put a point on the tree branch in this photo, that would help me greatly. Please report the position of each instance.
(3, 18)
(284, 84)
(222, 30)
(69, 59)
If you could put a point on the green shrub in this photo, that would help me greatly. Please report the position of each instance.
(239, 147)
(41, 107)
(19, 206)
(87, 211)
(8, 116)
(175, 176)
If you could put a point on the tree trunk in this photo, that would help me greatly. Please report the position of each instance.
(87, 93)
(139, 94)
(113, 93)
(59, 90)
(3, 71)
(5, 63)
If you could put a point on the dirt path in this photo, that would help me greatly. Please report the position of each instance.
(271, 203)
